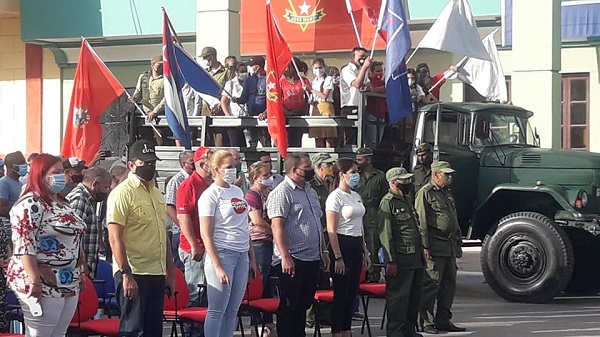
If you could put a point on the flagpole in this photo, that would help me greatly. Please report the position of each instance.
(379, 23)
(447, 73)
(143, 114)
(299, 74)
(411, 55)
(349, 7)
(171, 26)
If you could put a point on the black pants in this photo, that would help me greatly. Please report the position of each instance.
(296, 295)
(345, 287)
(142, 316)
(349, 135)
(295, 137)
(236, 138)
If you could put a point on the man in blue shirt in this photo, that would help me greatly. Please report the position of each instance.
(254, 96)
(10, 187)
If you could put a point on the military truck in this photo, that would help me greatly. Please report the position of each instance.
(537, 211)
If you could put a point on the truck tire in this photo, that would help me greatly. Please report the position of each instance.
(527, 259)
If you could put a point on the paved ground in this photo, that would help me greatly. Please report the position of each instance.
(483, 313)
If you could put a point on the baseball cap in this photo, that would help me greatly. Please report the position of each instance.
(423, 148)
(364, 151)
(73, 163)
(202, 153)
(257, 61)
(208, 51)
(321, 158)
(156, 58)
(397, 173)
(142, 150)
(442, 166)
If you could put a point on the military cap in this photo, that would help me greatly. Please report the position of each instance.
(364, 151)
(442, 166)
(321, 158)
(397, 173)
(208, 51)
(424, 147)
(156, 58)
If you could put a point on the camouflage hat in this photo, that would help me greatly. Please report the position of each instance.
(364, 151)
(208, 51)
(321, 158)
(397, 173)
(156, 58)
(423, 148)
(442, 166)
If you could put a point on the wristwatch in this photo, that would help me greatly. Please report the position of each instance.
(126, 271)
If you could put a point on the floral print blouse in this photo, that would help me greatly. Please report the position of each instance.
(52, 233)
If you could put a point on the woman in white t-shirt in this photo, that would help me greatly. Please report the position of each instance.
(224, 229)
(344, 209)
(322, 104)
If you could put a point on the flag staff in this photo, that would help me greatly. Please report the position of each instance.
(349, 7)
(411, 55)
(379, 23)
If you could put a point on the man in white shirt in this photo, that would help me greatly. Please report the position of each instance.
(234, 88)
(354, 81)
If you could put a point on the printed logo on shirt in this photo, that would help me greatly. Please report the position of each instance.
(239, 206)
(309, 14)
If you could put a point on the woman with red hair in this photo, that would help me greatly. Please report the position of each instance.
(46, 270)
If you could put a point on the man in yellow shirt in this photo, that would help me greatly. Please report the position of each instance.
(142, 259)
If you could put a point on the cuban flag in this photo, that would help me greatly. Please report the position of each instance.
(392, 19)
(173, 82)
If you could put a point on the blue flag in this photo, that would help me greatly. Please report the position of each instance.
(198, 78)
(398, 44)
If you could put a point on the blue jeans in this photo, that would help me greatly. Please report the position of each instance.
(175, 251)
(224, 299)
(263, 251)
(194, 275)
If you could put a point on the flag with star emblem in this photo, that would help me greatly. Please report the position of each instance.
(94, 89)
(278, 58)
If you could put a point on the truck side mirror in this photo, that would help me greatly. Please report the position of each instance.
(482, 129)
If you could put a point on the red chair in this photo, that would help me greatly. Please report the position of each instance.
(366, 292)
(254, 301)
(175, 307)
(87, 308)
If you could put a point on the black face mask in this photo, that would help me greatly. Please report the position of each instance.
(405, 188)
(77, 178)
(308, 174)
(100, 196)
(145, 172)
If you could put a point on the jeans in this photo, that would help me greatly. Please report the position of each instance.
(175, 251)
(373, 132)
(56, 316)
(345, 287)
(224, 299)
(143, 315)
(296, 295)
(194, 275)
(263, 251)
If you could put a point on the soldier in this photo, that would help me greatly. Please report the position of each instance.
(149, 91)
(321, 183)
(403, 253)
(423, 170)
(372, 188)
(442, 244)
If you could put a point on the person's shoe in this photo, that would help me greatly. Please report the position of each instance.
(430, 329)
(454, 328)
(357, 316)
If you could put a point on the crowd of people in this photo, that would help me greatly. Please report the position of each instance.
(331, 92)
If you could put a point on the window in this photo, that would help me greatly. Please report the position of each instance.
(471, 95)
(575, 102)
(454, 128)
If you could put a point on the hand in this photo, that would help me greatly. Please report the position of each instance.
(170, 283)
(150, 116)
(339, 267)
(391, 269)
(288, 266)
(97, 157)
(426, 254)
(453, 68)
(222, 275)
(35, 289)
(254, 268)
(197, 253)
(86, 270)
(367, 63)
(47, 275)
(366, 260)
(262, 116)
(459, 254)
(130, 287)
(132, 100)
(325, 260)
(233, 99)
(215, 110)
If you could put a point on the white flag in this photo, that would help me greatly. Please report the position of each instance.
(455, 31)
(487, 77)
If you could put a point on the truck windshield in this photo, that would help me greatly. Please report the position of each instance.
(493, 129)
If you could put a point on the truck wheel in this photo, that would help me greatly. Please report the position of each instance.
(527, 259)
(586, 271)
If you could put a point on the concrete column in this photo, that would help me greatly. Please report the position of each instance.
(218, 26)
(536, 81)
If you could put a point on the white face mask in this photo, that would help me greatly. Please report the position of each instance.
(205, 64)
(243, 76)
(411, 82)
(251, 70)
(267, 182)
(318, 72)
(229, 175)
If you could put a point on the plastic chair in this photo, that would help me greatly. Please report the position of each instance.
(87, 308)
(366, 292)
(254, 301)
(175, 307)
(104, 283)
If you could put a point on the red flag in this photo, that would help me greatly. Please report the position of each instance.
(354, 5)
(371, 9)
(94, 89)
(278, 58)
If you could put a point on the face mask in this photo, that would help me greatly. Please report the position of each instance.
(205, 64)
(411, 82)
(243, 76)
(23, 179)
(21, 169)
(77, 178)
(318, 72)
(336, 80)
(308, 174)
(59, 181)
(354, 180)
(251, 70)
(405, 188)
(100, 196)
(447, 180)
(229, 175)
(361, 61)
(267, 182)
(378, 76)
(145, 172)
(238, 168)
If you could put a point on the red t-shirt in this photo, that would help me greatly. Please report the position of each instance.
(293, 94)
(376, 106)
(434, 80)
(187, 203)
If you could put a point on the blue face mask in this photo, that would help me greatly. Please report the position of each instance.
(21, 169)
(354, 180)
(59, 181)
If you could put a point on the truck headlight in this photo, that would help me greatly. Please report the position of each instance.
(582, 199)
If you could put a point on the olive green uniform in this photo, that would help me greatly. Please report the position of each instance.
(441, 235)
(400, 238)
(322, 189)
(150, 92)
(371, 190)
(422, 175)
(221, 75)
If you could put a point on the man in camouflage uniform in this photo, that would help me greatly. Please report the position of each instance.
(149, 91)
(403, 252)
(372, 187)
(423, 169)
(442, 244)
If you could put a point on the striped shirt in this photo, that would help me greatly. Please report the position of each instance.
(171, 197)
(302, 211)
(84, 206)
